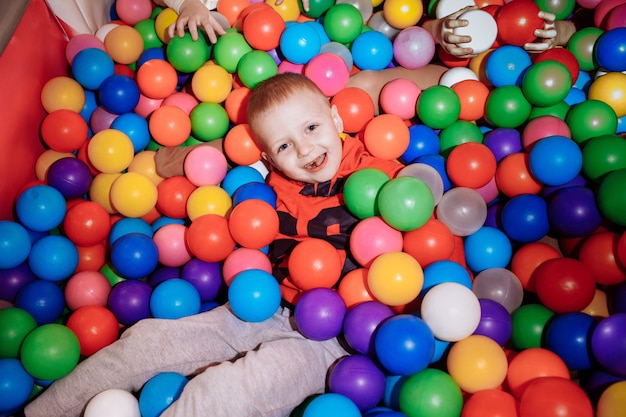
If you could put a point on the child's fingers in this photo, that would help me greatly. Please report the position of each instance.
(545, 33)
(547, 16)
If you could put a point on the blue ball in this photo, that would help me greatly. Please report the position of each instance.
(163, 221)
(91, 67)
(383, 412)
(238, 176)
(53, 258)
(174, 298)
(44, 300)
(524, 218)
(610, 50)
(331, 404)
(569, 336)
(91, 104)
(151, 53)
(299, 43)
(129, 225)
(575, 96)
(254, 295)
(393, 384)
(423, 140)
(255, 191)
(160, 392)
(40, 208)
(507, 65)
(441, 347)
(488, 247)
(404, 344)
(555, 160)
(15, 384)
(134, 256)
(135, 127)
(119, 94)
(445, 271)
(372, 50)
(14, 244)
(319, 28)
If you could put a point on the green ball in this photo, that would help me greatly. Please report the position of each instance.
(209, 121)
(229, 49)
(559, 110)
(187, 55)
(256, 66)
(430, 393)
(612, 197)
(148, 33)
(50, 351)
(507, 107)
(438, 106)
(603, 155)
(15, 324)
(546, 83)
(561, 9)
(529, 323)
(343, 23)
(406, 203)
(108, 271)
(457, 133)
(316, 7)
(582, 44)
(591, 118)
(361, 190)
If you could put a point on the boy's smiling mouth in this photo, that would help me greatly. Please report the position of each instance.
(317, 164)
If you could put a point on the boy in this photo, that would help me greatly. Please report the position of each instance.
(244, 369)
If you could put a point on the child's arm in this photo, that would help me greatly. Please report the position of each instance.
(442, 31)
(193, 14)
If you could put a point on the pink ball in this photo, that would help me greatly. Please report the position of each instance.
(399, 97)
(205, 165)
(101, 119)
(616, 18)
(147, 105)
(133, 11)
(243, 259)
(413, 47)
(80, 42)
(602, 11)
(286, 66)
(87, 288)
(489, 191)
(588, 4)
(329, 71)
(182, 100)
(372, 237)
(170, 241)
(542, 127)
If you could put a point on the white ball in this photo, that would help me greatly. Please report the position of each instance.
(447, 7)
(456, 75)
(451, 310)
(482, 28)
(113, 402)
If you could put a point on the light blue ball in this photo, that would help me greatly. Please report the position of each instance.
(14, 244)
(332, 404)
(507, 65)
(372, 50)
(555, 160)
(174, 298)
(254, 295)
(40, 208)
(53, 258)
(299, 43)
(488, 247)
(15, 384)
(160, 392)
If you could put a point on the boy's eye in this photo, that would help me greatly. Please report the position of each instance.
(311, 127)
(282, 147)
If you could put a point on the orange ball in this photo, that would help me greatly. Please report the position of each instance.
(355, 107)
(526, 260)
(143, 163)
(95, 327)
(471, 164)
(490, 402)
(231, 9)
(513, 176)
(253, 223)
(314, 263)
(169, 125)
(62, 93)
(156, 78)
(386, 136)
(353, 288)
(236, 104)
(473, 96)
(533, 363)
(431, 242)
(477, 363)
(262, 28)
(124, 44)
(46, 159)
(208, 238)
(172, 197)
(240, 147)
(91, 258)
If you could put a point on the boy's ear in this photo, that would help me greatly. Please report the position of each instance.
(336, 118)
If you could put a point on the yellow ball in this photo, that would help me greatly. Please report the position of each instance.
(208, 199)
(598, 307)
(610, 88)
(376, 3)
(100, 190)
(477, 363)
(47, 158)
(143, 163)
(289, 10)
(402, 14)
(395, 278)
(612, 401)
(110, 151)
(163, 21)
(62, 93)
(133, 194)
(211, 83)
(478, 65)
(124, 44)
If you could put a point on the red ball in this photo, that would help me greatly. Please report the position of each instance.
(598, 252)
(565, 285)
(208, 238)
(355, 107)
(555, 397)
(262, 28)
(253, 223)
(517, 22)
(87, 223)
(431, 242)
(533, 363)
(91, 258)
(172, 196)
(471, 164)
(513, 176)
(490, 403)
(64, 130)
(169, 125)
(95, 327)
(314, 263)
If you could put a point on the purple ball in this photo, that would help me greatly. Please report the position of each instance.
(319, 314)
(70, 176)
(358, 378)
(495, 321)
(573, 212)
(13, 279)
(608, 343)
(413, 47)
(361, 322)
(205, 276)
(130, 301)
(503, 141)
(163, 273)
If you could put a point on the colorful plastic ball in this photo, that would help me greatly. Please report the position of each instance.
(609, 50)
(330, 403)
(124, 44)
(573, 211)
(64, 130)
(423, 140)
(263, 29)
(353, 288)
(87, 288)
(477, 363)
(173, 299)
(438, 106)
(187, 55)
(70, 176)
(529, 325)
(371, 50)
(569, 336)
(94, 326)
(91, 66)
(507, 106)
(610, 197)
(208, 199)
(159, 392)
(405, 203)
(79, 42)
(254, 295)
(42, 299)
(229, 49)
(451, 311)
(582, 45)
(113, 400)
(490, 402)
(209, 239)
(110, 151)
(255, 191)
(361, 190)
(462, 210)
(609, 88)
(413, 47)
(612, 399)
(328, 71)
(15, 324)
(428, 174)
(459, 132)
(395, 278)
(500, 285)
(495, 321)
(361, 323)
(473, 97)
(603, 155)
(546, 83)
(607, 343)
(372, 237)
(130, 301)
(240, 175)
(513, 176)
(319, 313)
(531, 364)
(445, 271)
(16, 384)
(205, 165)
(299, 43)
(507, 65)
(156, 78)
(430, 393)
(209, 121)
(343, 23)
(471, 165)
(256, 66)
(399, 97)
(355, 107)
(242, 259)
(543, 127)
(50, 351)
(554, 396)
(133, 194)
(488, 247)
(314, 263)
(15, 244)
(87, 223)
(129, 225)
(358, 378)
(517, 22)
(40, 208)
(119, 94)
(205, 276)
(402, 14)
(62, 93)
(240, 147)
(524, 218)
(53, 258)
(170, 242)
(555, 160)
(134, 255)
(253, 223)
(169, 125)
(386, 136)
(600, 252)
(404, 344)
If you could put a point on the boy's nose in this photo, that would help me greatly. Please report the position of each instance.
(304, 147)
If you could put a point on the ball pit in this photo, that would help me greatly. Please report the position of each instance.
(543, 133)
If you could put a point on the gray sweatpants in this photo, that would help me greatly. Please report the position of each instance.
(241, 369)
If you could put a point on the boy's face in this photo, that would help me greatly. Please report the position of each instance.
(300, 138)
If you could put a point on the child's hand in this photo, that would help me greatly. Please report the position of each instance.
(305, 4)
(443, 33)
(194, 15)
(546, 36)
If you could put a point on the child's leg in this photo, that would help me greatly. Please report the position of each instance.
(150, 347)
